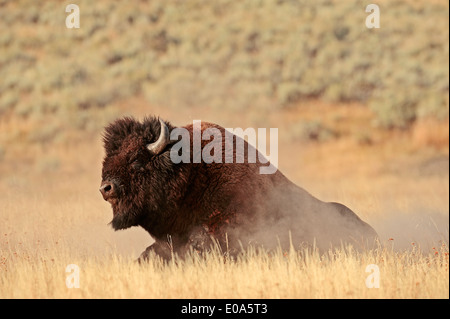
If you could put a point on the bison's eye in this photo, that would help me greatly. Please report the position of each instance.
(136, 165)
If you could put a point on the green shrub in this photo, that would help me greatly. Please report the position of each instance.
(224, 54)
(396, 110)
(312, 131)
(2, 152)
(8, 101)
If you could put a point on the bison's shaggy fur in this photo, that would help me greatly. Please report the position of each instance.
(234, 204)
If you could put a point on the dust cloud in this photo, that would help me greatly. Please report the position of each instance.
(424, 229)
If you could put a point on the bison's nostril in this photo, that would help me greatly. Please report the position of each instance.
(106, 190)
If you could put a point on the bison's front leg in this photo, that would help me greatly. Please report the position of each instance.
(198, 239)
(161, 249)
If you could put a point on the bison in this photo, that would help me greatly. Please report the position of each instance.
(183, 205)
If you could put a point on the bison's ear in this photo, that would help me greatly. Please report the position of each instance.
(116, 132)
(163, 140)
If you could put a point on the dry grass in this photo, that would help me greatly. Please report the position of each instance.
(49, 223)
(37, 272)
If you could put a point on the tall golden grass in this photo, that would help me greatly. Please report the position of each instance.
(50, 224)
(42, 273)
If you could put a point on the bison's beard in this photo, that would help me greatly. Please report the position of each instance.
(123, 216)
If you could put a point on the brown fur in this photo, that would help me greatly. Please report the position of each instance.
(188, 204)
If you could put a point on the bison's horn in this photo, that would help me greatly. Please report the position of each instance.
(162, 141)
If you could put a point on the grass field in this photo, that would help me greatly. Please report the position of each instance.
(256, 275)
(34, 260)
(48, 223)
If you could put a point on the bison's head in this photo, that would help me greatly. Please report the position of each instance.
(137, 170)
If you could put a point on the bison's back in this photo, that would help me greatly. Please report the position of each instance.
(290, 215)
(242, 206)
